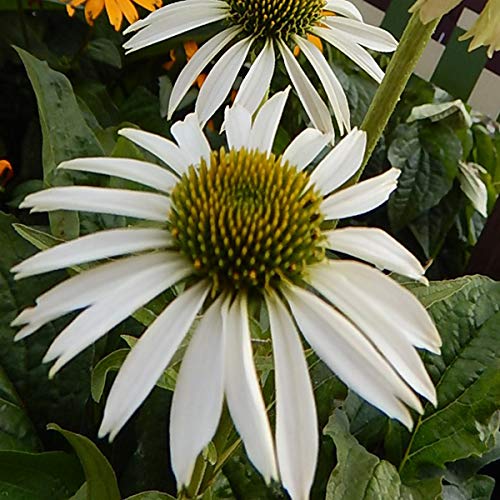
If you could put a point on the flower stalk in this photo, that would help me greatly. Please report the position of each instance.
(403, 62)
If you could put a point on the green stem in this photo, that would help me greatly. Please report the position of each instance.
(412, 44)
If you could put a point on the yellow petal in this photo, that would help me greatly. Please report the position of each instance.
(149, 4)
(128, 9)
(190, 48)
(93, 9)
(169, 64)
(115, 14)
(316, 41)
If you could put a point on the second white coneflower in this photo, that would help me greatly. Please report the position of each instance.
(238, 225)
(266, 26)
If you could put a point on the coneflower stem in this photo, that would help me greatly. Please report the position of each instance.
(403, 62)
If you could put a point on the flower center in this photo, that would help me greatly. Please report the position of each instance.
(275, 18)
(246, 220)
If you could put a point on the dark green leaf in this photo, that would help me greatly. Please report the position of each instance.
(104, 50)
(151, 495)
(112, 362)
(467, 376)
(428, 158)
(475, 488)
(66, 134)
(39, 476)
(101, 479)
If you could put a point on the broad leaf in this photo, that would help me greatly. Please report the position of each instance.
(428, 158)
(151, 495)
(40, 476)
(65, 132)
(100, 477)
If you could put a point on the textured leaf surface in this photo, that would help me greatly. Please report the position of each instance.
(101, 479)
(428, 158)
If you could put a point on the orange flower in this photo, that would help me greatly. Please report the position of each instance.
(116, 9)
(6, 172)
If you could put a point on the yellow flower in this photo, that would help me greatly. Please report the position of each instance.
(432, 9)
(116, 9)
(486, 30)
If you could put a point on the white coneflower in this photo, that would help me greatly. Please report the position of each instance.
(240, 225)
(266, 26)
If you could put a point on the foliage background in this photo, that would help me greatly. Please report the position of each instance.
(67, 89)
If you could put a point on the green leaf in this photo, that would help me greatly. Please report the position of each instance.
(359, 475)
(65, 132)
(16, 430)
(112, 362)
(475, 488)
(466, 375)
(438, 111)
(104, 50)
(40, 239)
(40, 476)
(101, 479)
(428, 157)
(151, 495)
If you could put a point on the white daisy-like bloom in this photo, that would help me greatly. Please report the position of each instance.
(238, 226)
(265, 28)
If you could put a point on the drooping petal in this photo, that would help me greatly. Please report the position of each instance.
(374, 321)
(149, 206)
(347, 352)
(383, 294)
(316, 109)
(368, 36)
(199, 393)
(168, 24)
(344, 8)
(220, 80)
(191, 139)
(243, 394)
(149, 358)
(341, 163)
(142, 172)
(266, 122)
(104, 315)
(83, 289)
(362, 197)
(352, 50)
(196, 65)
(256, 83)
(238, 123)
(296, 423)
(377, 247)
(162, 148)
(331, 84)
(95, 246)
(305, 147)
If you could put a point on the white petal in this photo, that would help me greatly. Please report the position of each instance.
(142, 172)
(266, 122)
(352, 50)
(333, 88)
(220, 80)
(172, 9)
(377, 247)
(196, 64)
(305, 147)
(168, 24)
(473, 187)
(104, 315)
(368, 36)
(198, 396)
(150, 206)
(341, 163)
(346, 351)
(316, 109)
(84, 289)
(162, 148)
(191, 139)
(407, 314)
(343, 7)
(149, 358)
(243, 394)
(374, 321)
(362, 197)
(95, 246)
(256, 83)
(238, 124)
(296, 423)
